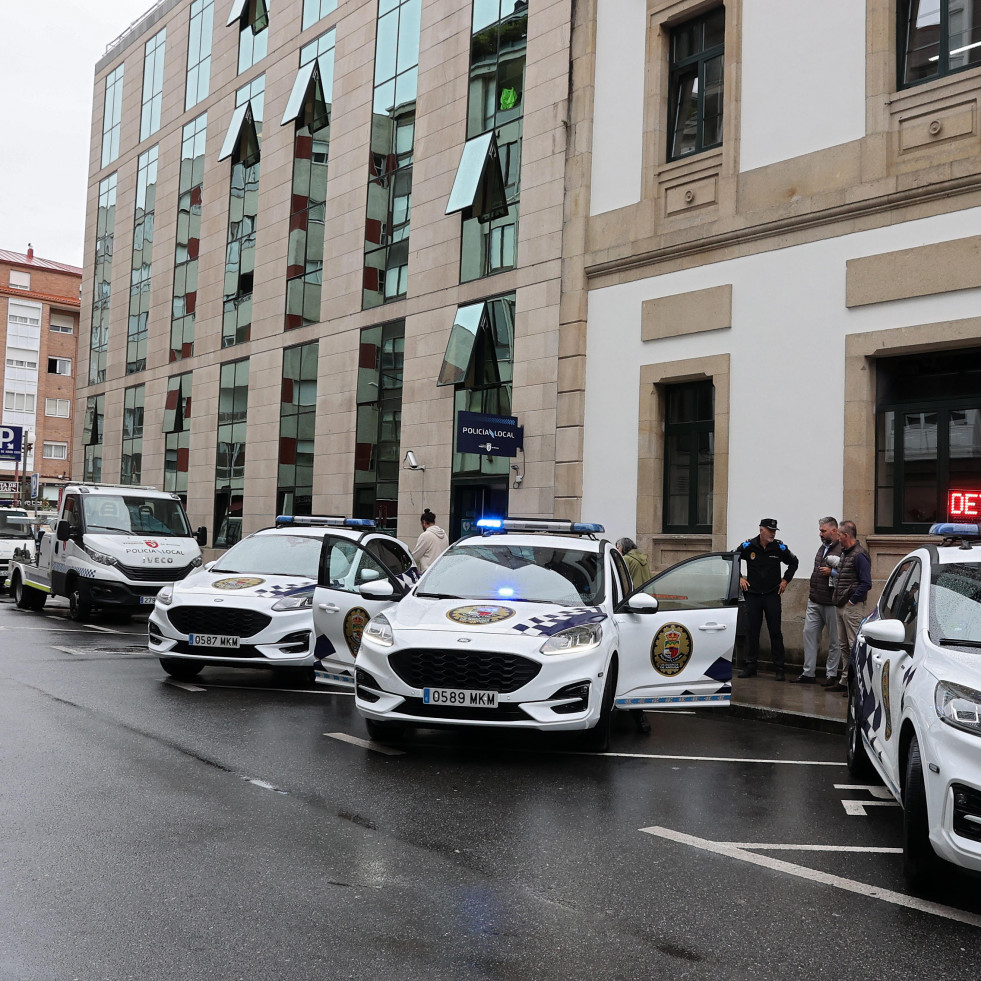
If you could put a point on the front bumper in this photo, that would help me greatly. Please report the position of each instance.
(120, 595)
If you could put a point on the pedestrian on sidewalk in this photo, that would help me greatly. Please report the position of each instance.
(430, 543)
(821, 612)
(763, 585)
(850, 596)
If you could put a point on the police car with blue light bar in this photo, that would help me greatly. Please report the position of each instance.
(536, 625)
(914, 714)
(253, 606)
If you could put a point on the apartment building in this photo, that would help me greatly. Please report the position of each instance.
(39, 306)
(323, 243)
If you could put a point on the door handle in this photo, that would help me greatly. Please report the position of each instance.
(711, 626)
(329, 607)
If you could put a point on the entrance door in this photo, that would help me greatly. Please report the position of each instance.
(473, 501)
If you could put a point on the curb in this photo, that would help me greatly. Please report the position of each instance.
(799, 720)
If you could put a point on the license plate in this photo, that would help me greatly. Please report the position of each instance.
(213, 640)
(147, 600)
(459, 697)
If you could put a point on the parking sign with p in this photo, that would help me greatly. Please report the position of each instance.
(11, 441)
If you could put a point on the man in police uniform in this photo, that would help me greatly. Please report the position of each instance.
(763, 585)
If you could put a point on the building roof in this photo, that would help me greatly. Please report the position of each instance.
(34, 262)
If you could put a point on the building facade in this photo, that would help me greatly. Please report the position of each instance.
(318, 232)
(39, 306)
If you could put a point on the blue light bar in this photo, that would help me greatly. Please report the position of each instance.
(321, 520)
(950, 530)
(587, 528)
(553, 525)
(494, 523)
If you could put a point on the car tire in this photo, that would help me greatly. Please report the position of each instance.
(385, 732)
(597, 739)
(79, 604)
(180, 669)
(921, 866)
(856, 755)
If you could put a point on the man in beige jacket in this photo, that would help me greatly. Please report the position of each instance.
(430, 543)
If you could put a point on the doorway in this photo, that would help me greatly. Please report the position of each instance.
(473, 500)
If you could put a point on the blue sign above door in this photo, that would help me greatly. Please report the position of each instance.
(489, 435)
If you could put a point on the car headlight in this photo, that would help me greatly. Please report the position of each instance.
(196, 561)
(166, 596)
(379, 631)
(958, 706)
(103, 558)
(574, 640)
(296, 601)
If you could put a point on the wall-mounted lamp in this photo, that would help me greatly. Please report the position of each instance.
(410, 462)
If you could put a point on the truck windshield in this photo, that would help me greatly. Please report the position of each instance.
(15, 524)
(111, 514)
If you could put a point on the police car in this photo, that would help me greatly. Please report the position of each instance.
(915, 701)
(252, 607)
(535, 625)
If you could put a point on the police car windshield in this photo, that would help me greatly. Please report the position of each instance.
(272, 555)
(14, 524)
(505, 571)
(111, 514)
(955, 608)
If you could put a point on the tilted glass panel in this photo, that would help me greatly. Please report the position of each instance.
(919, 467)
(460, 346)
(922, 32)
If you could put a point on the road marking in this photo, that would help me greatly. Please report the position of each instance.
(64, 650)
(264, 785)
(86, 626)
(716, 759)
(856, 808)
(877, 791)
(183, 685)
(365, 744)
(802, 872)
(301, 691)
(753, 846)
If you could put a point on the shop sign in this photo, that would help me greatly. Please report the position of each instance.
(488, 435)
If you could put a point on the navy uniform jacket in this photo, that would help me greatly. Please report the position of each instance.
(763, 564)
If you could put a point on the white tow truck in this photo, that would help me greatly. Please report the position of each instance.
(113, 547)
(15, 533)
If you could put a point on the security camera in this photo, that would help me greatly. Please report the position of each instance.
(411, 462)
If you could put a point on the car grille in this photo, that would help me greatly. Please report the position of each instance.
(243, 653)
(154, 573)
(213, 620)
(473, 670)
(503, 713)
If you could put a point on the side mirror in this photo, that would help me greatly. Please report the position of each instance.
(369, 575)
(208, 565)
(63, 531)
(380, 589)
(887, 635)
(642, 603)
(201, 536)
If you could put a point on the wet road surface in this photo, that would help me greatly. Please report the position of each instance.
(242, 826)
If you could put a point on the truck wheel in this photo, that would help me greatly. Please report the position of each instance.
(79, 604)
(180, 669)
(21, 596)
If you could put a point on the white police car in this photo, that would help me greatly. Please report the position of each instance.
(535, 624)
(252, 607)
(915, 700)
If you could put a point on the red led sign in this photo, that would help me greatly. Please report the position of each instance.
(963, 504)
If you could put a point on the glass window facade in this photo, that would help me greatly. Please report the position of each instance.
(199, 37)
(297, 428)
(393, 122)
(95, 409)
(311, 146)
(498, 48)
(377, 451)
(131, 467)
(190, 196)
(253, 34)
(695, 95)
(177, 434)
(141, 272)
(111, 116)
(689, 456)
(102, 280)
(233, 402)
(153, 76)
(314, 10)
(243, 210)
(937, 37)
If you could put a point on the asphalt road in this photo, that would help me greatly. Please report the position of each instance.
(242, 827)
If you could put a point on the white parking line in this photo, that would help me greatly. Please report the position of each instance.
(365, 744)
(876, 790)
(753, 846)
(183, 685)
(856, 808)
(716, 759)
(300, 691)
(802, 872)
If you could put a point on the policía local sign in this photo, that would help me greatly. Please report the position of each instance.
(11, 441)
(489, 435)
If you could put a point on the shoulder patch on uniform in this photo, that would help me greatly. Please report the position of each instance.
(745, 544)
(783, 548)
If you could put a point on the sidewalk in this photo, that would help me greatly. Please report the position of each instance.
(803, 706)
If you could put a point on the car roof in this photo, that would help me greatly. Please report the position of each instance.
(578, 543)
(946, 554)
(311, 531)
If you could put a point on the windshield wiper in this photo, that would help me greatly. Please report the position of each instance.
(122, 531)
(440, 596)
(954, 642)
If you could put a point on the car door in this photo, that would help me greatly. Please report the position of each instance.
(881, 678)
(682, 653)
(340, 612)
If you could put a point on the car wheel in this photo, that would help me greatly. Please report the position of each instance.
(921, 866)
(385, 732)
(79, 604)
(856, 756)
(180, 669)
(597, 739)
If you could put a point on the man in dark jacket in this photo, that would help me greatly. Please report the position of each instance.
(850, 595)
(821, 611)
(763, 586)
